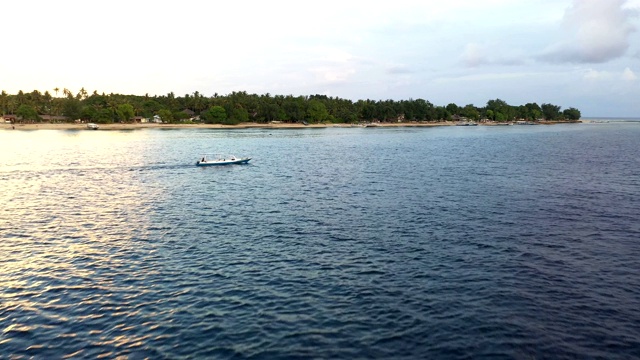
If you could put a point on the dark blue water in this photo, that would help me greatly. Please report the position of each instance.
(454, 242)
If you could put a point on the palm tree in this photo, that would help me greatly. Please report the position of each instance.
(12, 104)
(82, 94)
(4, 97)
(112, 105)
(56, 89)
(48, 108)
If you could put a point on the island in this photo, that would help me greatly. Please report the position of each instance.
(36, 110)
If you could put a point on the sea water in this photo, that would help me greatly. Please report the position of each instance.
(400, 243)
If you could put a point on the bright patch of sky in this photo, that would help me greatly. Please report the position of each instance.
(572, 53)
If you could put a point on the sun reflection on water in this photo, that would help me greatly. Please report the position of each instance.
(68, 229)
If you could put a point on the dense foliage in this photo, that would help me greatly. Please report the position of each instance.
(240, 107)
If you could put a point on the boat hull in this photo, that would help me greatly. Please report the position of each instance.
(223, 162)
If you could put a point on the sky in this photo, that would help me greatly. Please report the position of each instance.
(572, 53)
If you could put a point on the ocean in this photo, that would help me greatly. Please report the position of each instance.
(504, 242)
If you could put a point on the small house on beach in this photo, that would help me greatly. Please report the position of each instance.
(9, 118)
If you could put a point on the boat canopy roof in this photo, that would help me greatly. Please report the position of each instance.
(215, 154)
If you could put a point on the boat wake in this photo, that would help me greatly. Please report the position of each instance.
(159, 167)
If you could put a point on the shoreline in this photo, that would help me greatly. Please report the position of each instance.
(118, 126)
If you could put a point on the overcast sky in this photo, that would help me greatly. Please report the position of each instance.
(572, 53)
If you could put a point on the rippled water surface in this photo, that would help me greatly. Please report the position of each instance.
(455, 242)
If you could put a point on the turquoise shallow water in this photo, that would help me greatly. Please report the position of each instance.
(456, 242)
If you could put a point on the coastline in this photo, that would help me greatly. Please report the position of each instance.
(118, 126)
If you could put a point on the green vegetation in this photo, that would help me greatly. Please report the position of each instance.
(215, 115)
(125, 112)
(240, 107)
(27, 112)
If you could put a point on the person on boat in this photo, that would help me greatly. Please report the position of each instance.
(202, 160)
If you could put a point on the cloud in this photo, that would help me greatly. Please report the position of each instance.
(475, 55)
(594, 31)
(331, 75)
(629, 75)
(484, 77)
(399, 70)
(593, 75)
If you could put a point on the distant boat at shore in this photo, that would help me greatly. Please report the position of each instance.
(92, 126)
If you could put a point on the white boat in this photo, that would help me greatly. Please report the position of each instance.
(220, 159)
(92, 126)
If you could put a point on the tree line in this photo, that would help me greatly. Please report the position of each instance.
(238, 107)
